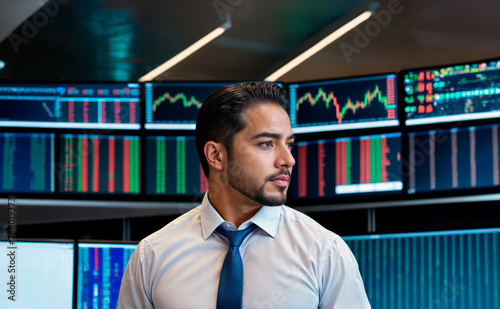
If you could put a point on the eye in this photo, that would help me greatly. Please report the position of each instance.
(267, 144)
(290, 145)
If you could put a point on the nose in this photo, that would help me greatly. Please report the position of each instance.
(285, 158)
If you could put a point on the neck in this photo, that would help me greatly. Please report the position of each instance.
(232, 207)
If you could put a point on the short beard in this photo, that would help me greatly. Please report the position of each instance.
(237, 179)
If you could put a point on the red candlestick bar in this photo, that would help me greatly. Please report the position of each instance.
(117, 112)
(85, 164)
(103, 111)
(302, 171)
(111, 165)
(85, 111)
(321, 169)
(384, 161)
(96, 261)
(95, 173)
(71, 111)
(365, 171)
(131, 112)
(391, 113)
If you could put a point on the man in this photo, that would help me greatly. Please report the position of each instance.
(244, 142)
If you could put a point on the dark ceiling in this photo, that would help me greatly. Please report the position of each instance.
(97, 40)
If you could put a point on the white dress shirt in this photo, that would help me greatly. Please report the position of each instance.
(289, 261)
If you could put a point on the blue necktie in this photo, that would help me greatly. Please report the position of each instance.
(230, 293)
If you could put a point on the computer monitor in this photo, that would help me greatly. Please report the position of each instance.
(445, 269)
(100, 270)
(173, 167)
(27, 162)
(454, 159)
(175, 105)
(342, 104)
(99, 164)
(452, 93)
(344, 166)
(37, 274)
(70, 105)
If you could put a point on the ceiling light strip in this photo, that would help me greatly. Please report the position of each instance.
(188, 51)
(319, 46)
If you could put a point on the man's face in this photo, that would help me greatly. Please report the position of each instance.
(260, 165)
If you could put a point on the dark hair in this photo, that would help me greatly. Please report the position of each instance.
(219, 118)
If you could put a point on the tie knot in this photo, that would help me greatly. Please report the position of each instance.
(235, 238)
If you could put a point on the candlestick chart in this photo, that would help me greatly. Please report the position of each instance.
(363, 102)
(175, 105)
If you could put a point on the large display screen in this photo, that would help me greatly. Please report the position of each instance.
(447, 269)
(99, 164)
(454, 158)
(37, 274)
(173, 167)
(347, 165)
(341, 104)
(452, 93)
(174, 106)
(70, 105)
(27, 162)
(100, 272)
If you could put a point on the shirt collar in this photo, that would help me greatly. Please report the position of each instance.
(267, 218)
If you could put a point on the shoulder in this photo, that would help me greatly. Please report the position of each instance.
(327, 245)
(180, 227)
(303, 224)
(299, 219)
(315, 241)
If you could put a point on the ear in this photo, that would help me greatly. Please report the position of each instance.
(214, 152)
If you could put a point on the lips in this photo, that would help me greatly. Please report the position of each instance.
(281, 181)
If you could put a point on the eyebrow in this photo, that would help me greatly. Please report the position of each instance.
(272, 135)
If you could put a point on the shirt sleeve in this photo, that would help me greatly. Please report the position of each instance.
(133, 290)
(341, 285)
